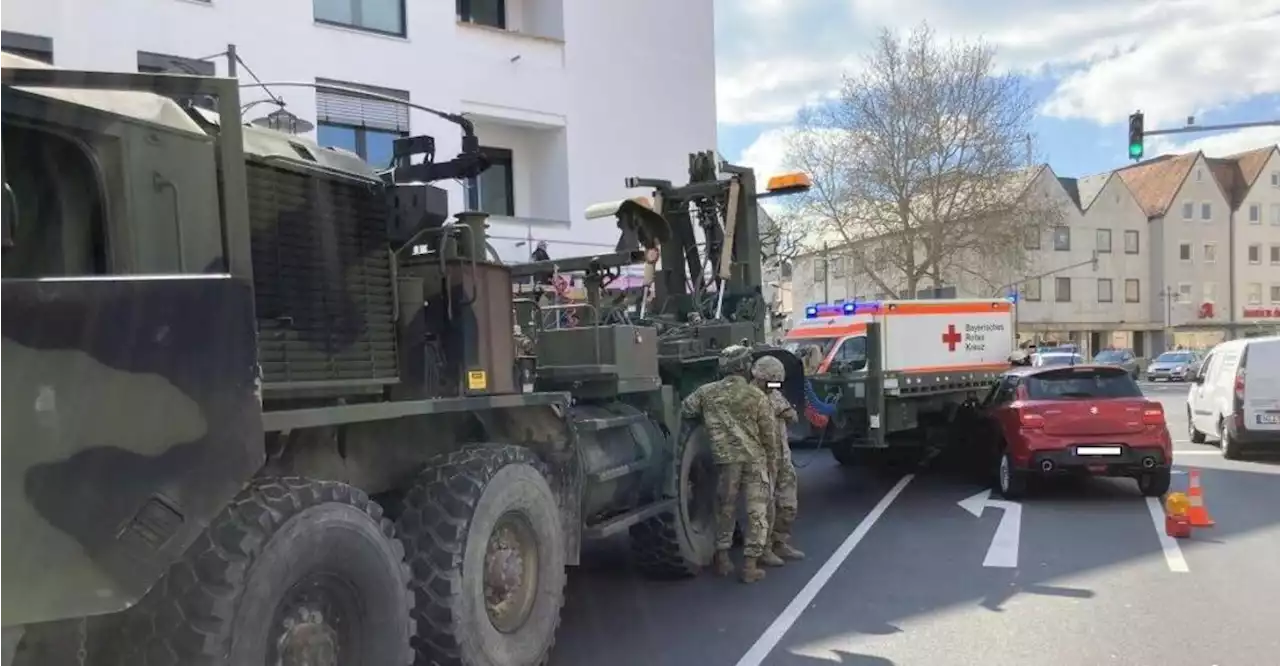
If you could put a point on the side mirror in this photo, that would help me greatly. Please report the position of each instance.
(1197, 378)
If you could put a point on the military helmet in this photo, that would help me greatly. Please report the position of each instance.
(735, 359)
(768, 369)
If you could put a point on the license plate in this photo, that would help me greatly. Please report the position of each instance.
(1268, 419)
(1099, 450)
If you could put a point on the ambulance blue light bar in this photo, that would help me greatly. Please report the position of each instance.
(824, 310)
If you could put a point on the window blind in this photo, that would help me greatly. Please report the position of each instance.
(342, 108)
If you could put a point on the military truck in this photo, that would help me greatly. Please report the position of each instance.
(260, 402)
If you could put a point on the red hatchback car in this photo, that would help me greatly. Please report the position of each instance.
(1084, 419)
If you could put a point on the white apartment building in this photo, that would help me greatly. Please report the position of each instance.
(568, 98)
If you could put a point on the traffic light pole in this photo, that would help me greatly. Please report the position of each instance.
(1212, 128)
(1137, 133)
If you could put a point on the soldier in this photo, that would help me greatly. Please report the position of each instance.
(740, 423)
(782, 511)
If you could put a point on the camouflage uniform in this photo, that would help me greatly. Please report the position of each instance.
(782, 471)
(740, 423)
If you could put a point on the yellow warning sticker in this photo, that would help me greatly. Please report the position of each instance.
(477, 380)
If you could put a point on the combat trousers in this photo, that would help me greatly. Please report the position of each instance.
(753, 481)
(786, 500)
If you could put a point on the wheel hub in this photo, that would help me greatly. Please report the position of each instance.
(306, 639)
(511, 573)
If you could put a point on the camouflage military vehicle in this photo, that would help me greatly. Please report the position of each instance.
(260, 402)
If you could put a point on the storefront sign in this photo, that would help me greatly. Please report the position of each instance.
(1262, 313)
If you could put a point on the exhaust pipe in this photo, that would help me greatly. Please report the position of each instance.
(1046, 465)
(1148, 462)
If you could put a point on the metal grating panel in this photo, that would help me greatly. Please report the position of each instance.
(322, 279)
(340, 108)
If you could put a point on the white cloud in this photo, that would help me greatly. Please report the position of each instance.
(1169, 57)
(1218, 145)
(767, 156)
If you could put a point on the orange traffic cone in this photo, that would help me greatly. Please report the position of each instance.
(1198, 514)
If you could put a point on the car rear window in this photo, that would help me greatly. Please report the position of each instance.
(1067, 383)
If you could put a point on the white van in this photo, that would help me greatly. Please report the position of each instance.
(1236, 396)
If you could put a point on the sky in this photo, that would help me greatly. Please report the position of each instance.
(1090, 63)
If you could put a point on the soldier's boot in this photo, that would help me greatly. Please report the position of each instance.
(771, 559)
(722, 564)
(787, 552)
(751, 571)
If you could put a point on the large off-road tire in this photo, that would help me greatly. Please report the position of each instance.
(845, 454)
(294, 571)
(482, 533)
(679, 543)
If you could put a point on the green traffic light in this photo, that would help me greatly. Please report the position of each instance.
(1135, 150)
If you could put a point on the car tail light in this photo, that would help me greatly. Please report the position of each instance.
(1240, 382)
(1153, 414)
(1030, 420)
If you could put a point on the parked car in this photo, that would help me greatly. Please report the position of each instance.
(1043, 359)
(1122, 358)
(1082, 419)
(1171, 366)
(1236, 398)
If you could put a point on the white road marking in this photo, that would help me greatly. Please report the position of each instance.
(1172, 552)
(1198, 452)
(1003, 551)
(783, 623)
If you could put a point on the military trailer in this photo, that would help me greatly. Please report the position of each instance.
(261, 404)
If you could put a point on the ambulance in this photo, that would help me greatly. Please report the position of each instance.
(884, 367)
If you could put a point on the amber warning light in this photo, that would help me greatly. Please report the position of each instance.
(789, 182)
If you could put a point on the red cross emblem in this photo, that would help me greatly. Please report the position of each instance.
(952, 337)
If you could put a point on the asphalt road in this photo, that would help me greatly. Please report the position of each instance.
(898, 574)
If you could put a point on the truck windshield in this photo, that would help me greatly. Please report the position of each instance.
(1067, 383)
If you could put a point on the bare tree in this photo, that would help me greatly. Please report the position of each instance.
(920, 167)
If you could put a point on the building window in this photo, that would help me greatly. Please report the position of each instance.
(1104, 241)
(27, 46)
(1062, 239)
(1275, 293)
(1184, 293)
(1255, 253)
(1253, 293)
(819, 270)
(1275, 255)
(1210, 292)
(1032, 240)
(837, 267)
(492, 13)
(494, 190)
(1062, 290)
(384, 16)
(1104, 290)
(1210, 253)
(1184, 252)
(1275, 179)
(1132, 290)
(1255, 213)
(1275, 215)
(1199, 175)
(366, 126)
(1206, 211)
(1131, 242)
(1031, 290)
(1188, 210)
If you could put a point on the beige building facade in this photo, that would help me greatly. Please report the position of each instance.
(1188, 253)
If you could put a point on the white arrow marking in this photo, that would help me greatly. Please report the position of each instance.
(1003, 552)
